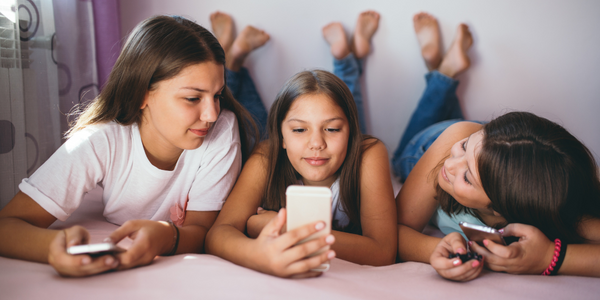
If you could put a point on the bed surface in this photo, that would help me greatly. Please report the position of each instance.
(209, 277)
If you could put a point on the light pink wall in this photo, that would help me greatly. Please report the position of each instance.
(536, 55)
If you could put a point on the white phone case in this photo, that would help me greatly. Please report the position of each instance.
(307, 204)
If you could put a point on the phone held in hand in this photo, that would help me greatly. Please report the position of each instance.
(477, 233)
(306, 204)
(98, 249)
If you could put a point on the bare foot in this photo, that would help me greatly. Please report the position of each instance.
(366, 25)
(249, 39)
(222, 27)
(335, 36)
(456, 59)
(428, 35)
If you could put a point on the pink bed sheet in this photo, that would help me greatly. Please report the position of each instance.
(202, 276)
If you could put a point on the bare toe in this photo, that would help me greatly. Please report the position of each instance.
(428, 35)
(223, 29)
(249, 39)
(457, 60)
(335, 36)
(366, 26)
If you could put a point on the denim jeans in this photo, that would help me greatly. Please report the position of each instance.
(349, 69)
(436, 111)
(242, 87)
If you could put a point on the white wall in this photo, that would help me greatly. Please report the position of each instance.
(537, 55)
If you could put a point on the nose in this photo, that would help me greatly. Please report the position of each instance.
(209, 110)
(317, 142)
(455, 164)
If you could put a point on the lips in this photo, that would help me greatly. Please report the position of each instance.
(200, 132)
(443, 171)
(316, 161)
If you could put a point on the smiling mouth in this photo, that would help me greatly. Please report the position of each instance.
(200, 132)
(443, 171)
(316, 161)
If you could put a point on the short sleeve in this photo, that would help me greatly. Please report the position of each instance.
(220, 166)
(75, 168)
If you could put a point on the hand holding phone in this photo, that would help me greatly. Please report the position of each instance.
(307, 204)
(477, 233)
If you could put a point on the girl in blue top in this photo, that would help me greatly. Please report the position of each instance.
(520, 173)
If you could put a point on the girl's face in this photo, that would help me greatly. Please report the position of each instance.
(315, 135)
(178, 113)
(459, 176)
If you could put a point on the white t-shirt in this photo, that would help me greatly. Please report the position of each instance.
(113, 157)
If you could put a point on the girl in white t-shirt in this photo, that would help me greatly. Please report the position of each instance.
(164, 139)
(314, 140)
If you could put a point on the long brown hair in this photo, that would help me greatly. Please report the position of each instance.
(535, 172)
(159, 48)
(281, 173)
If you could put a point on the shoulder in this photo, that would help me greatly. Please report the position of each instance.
(100, 134)
(373, 148)
(459, 131)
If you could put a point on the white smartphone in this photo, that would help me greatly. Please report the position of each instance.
(306, 204)
(94, 249)
(477, 233)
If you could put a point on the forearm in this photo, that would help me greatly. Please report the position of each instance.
(581, 260)
(191, 239)
(363, 250)
(415, 246)
(21, 240)
(229, 243)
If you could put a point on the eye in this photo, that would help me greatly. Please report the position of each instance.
(464, 145)
(192, 99)
(466, 179)
(332, 129)
(218, 97)
(298, 130)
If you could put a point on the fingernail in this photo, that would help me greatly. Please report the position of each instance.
(501, 230)
(109, 261)
(107, 240)
(86, 260)
(259, 209)
(486, 242)
(330, 239)
(456, 262)
(470, 243)
(320, 226)
(115, 264)
(331, 254)
(475, 264)
(460, 250)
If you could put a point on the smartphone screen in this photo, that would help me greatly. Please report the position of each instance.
(94, 249)
(306, 204)
(477, 233)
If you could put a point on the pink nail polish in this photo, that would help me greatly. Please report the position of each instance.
(330, 239)
(456, 262)
(86, 260)
(501, 230)
(475, 264)
(320, 226)
(470, 243)
(460, 251)
(486, 242)
(331, 255)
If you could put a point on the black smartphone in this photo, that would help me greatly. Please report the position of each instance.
(477, 233)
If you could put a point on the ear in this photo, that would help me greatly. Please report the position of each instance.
(146, 99)
(283, 144)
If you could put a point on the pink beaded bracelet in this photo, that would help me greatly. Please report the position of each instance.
(557, 259)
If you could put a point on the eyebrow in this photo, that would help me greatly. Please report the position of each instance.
(201, 90)
(326, 121)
